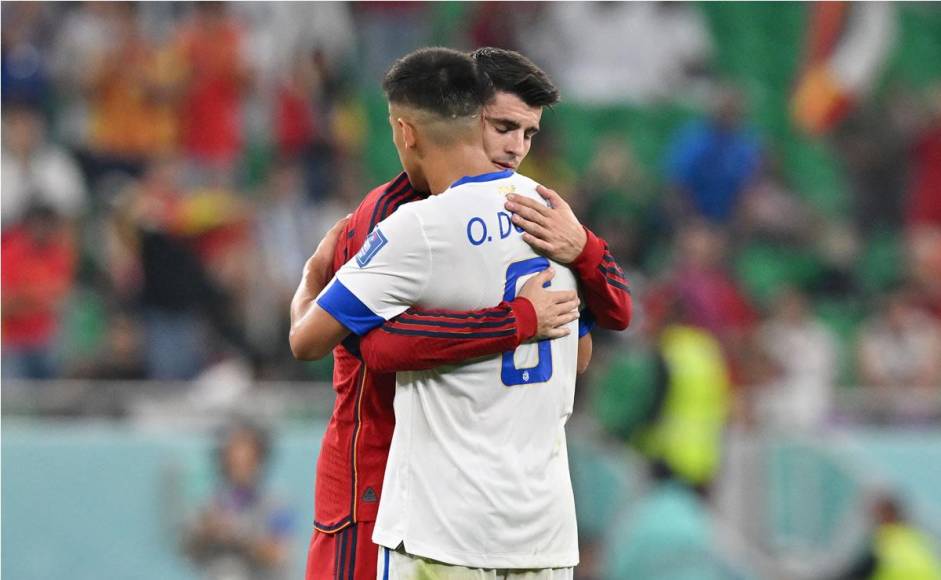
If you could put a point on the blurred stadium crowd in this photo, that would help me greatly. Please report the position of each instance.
(168, 168)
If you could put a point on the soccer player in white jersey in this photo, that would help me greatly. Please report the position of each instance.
(477, 480)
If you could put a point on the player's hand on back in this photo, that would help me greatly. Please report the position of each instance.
(552, 231)
(318, 268)
(554, 309)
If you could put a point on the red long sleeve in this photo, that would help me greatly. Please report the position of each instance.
(425, 339)
(607, 293)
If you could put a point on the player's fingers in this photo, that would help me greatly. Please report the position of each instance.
(534, 228)
(528, 202)
(566, 315)
(545, 275)
(334, 232)
(562, 315)
(527, 213)
(565, 297)
(567, 318)
(541, 279)
(555, 200)
(566, 309)
(557, 332)
(537, 244)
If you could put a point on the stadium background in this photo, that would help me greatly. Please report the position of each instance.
(240, 132)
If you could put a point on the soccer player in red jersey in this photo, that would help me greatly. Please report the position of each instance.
(355, 447)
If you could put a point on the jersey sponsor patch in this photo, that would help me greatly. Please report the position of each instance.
(374, 242)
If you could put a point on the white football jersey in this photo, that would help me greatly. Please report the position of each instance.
(478, 470)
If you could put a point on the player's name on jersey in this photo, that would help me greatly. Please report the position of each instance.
(479, 231)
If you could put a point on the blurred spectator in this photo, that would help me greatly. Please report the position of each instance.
(176, 291)
(897, 550)
(121, 358)
(243, 532)
(501, 23)
(38, 258)
(210, 43)
(773, 212)
(387, 31)
(172, 285)
(280, 31)
(900, 346)
(285, 232)
(924, 200)
(710, 295)
(629, 392)
(618, 199)
(712, 162)
(285, 229)
(924, 251)
(667, 535)
(303, 114)
(802, 353)
(687, 398)
(872, 147)
(83, 37)
(924, 207)
(24, 67)
(132, 97)
(296, 122)
(675, 411)
(609, 52)
(35, 171)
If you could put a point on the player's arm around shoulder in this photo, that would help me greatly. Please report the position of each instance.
(553, 230)
(386, 277)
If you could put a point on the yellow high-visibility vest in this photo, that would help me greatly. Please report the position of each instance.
(903, 553)
(688, 436)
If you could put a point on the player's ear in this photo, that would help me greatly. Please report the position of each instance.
(409, 133)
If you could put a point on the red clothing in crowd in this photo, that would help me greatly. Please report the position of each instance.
(924, 204)
(36, 278)
(211, 110)
(295, 126)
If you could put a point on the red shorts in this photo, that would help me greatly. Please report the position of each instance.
(348, 554)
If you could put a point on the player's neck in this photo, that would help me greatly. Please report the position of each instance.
(445, 166)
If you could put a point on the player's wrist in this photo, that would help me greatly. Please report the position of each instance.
(527, 322)
(578, 245)
(592, 251)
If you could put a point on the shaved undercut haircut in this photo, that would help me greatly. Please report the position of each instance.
(441, 89)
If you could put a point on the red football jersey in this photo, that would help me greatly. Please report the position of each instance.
(355, 446)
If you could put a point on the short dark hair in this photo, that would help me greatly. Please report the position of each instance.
(438, 80)
(511, 72)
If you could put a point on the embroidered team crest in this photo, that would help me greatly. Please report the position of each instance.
(374, 242)
(506, 189)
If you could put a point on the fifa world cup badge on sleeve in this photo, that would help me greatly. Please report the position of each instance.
(374, 242)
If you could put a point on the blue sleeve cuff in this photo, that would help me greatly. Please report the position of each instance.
(586, 322)
(348, 309)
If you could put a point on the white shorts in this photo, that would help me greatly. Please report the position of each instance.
(394, 565)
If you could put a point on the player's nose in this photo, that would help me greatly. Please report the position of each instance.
(516, 147)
